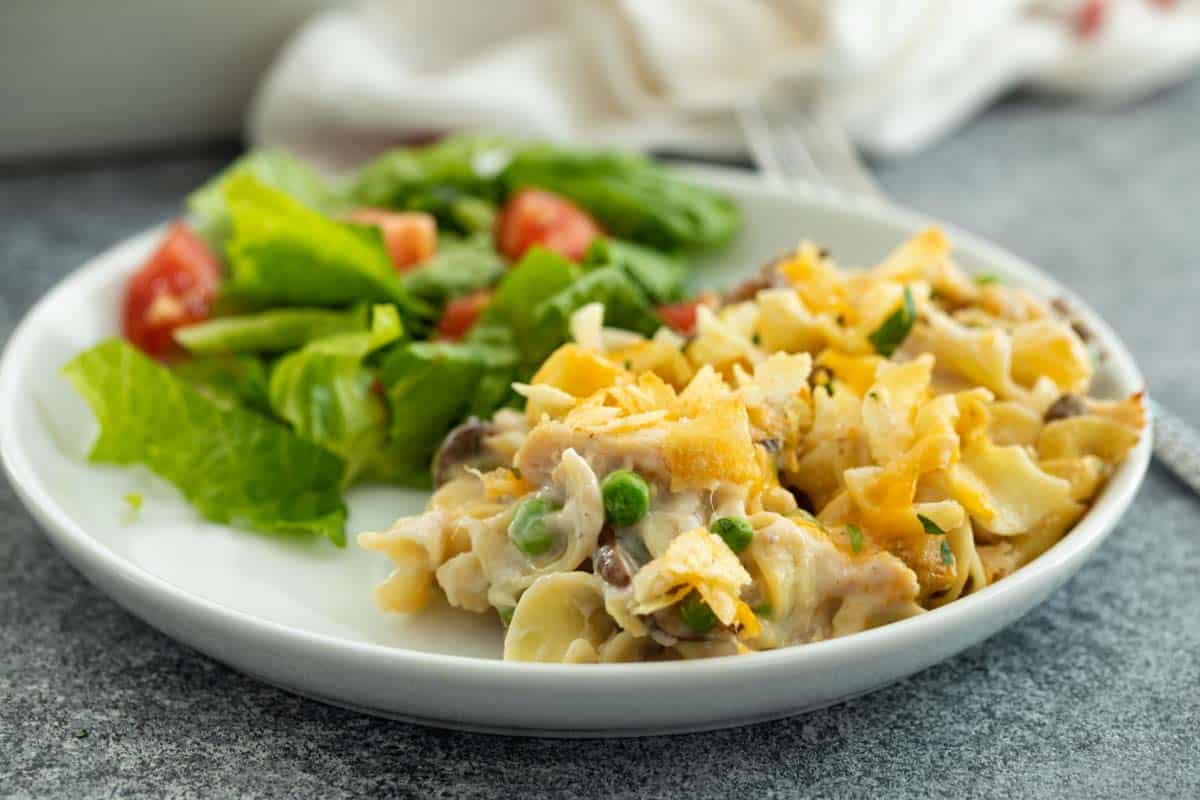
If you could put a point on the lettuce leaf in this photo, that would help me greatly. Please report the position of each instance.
(625, 306)
(269, 331)
(274, 168)
(228, 380)
(513, 319)
(325, 391)
(430, 387)
(233, 465)
(660, 275)
(286, 253)
(460, 267)
(631, 196)
(449, 179)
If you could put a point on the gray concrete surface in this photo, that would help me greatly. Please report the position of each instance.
(1095, 694)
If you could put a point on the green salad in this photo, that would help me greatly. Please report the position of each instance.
(297, 335)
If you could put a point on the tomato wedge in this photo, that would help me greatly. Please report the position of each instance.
(681, 317)
(410, 236)
(175, 287)
(461, 314)
(538, 217)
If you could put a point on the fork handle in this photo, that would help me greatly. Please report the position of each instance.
(1176, 444)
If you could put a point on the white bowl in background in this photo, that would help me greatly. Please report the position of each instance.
(79, 76)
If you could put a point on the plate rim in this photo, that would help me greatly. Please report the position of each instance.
(1050, 568)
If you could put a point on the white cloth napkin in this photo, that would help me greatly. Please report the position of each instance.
(670, 73)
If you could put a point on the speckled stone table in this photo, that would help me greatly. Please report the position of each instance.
(1095, 694)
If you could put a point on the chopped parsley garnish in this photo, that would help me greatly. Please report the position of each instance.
(894, 330)
(856, 538)
(762, 610)
(756, 339)
(947, 553)
(828, 388)
(134, 500)
(873, 395)
(628, 364)
(506, 615)
(987, 278)
(807, 517)
(930, 526)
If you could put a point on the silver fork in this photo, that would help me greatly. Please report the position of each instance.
(799, 140)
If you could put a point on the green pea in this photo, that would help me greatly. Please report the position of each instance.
(736, 532)
(528, 530)
(696, 614)
(626, 497)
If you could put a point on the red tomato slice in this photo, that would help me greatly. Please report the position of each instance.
(410, 236)
(1089, 19)
(461, 314)
(175, 287)
(538, 217)
(681, 317)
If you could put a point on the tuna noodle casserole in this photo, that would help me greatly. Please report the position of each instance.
(832, 450)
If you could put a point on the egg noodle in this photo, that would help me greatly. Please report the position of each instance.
(877, 443)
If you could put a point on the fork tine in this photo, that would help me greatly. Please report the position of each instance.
(838, 156)
(793, 142)
(758, 134)
(803, 141)
(779, 151)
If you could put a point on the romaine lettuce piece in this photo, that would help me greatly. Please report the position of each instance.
(660, 275)
(448, 179)
(288, 254)
(631, 196)
(430, 387)
(625, 305)
(461, 266)
(228, 379)
(274, 168)
(269, 331)
(233, 465)
(325, 391)
(513, 320)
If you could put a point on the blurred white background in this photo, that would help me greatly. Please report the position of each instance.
(89, 75)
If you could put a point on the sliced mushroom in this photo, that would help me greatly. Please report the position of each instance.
(462, 447)
(1064, 310)
(611, 562)
(1065, 407)
(768, 277)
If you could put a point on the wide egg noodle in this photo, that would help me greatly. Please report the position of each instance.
(560, 617)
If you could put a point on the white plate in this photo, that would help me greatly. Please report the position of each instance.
(297, 613)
